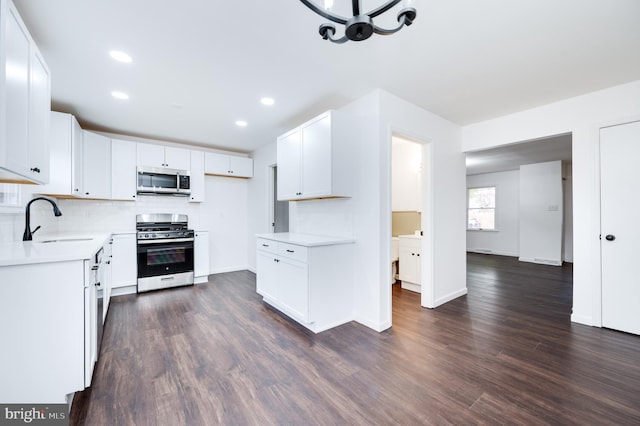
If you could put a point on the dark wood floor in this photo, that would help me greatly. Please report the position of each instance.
(506, 353)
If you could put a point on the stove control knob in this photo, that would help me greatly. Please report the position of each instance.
(146, 235)
(167, 235)
(153, 235)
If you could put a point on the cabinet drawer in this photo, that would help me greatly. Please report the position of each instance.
(293, 251)
(267, 245)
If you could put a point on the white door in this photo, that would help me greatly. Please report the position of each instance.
(620, 233)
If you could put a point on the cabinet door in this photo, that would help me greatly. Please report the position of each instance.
(409, 262)
(197, 177)
(177, 158)
(39, 112)
(316, 158)
(288, 158)
(216, 164)
(123, 170)
(294, 288)
(267, 280)
(77, 149)
(124, 270)
(201, 254)
(16, 93)
(61, 165)
(241, 166)
(150, 155)
(97, 165)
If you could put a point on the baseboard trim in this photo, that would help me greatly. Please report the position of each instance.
(488, 251)
(379, 327)
(581, 319)
(449, 297)
(229, 269)
(541, 261)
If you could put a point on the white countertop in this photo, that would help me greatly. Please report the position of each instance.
(410, 236)
(306, 240)
(63, 248)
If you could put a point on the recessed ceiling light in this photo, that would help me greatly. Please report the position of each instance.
(119, 95)
(267, 101)
(241, 123)
(120, 56)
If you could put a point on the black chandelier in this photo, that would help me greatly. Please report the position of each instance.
(360, 26)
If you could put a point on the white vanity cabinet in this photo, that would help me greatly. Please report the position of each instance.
(123, 170)
(308, 278)
(25, 102)
(163, 156)
(410, 262)
(312, 161)
(201, 257)
(228, 165)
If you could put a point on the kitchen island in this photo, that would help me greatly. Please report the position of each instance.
(48, 317)
(307, 277)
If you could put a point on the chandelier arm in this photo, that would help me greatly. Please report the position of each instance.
(402, 21)
(356, 7)
(382, 9)
(324, 13)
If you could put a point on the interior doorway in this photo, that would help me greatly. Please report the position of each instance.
(409, 216)
(279, 211)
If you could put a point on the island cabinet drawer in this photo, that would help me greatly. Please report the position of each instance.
(267, 245)
(292, 251)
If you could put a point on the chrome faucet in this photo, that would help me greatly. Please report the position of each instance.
(28, 234)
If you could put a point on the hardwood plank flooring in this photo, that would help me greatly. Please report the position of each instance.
(506, 353)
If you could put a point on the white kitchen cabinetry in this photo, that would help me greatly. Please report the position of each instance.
(312, 161)
(123, 170)
(65, 138)
(410, 263)
(90, 321)
(25, 98)
(106, 275)
(201, 257)
(163, 156)
(309, 278)
(228, 165)
(197, 177)
(124, 266)
(96, 155)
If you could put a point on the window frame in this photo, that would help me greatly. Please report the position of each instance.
(495, 208)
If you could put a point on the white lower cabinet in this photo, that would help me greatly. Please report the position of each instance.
(124, 264)
(410, 262)
(201, 257)
(309, 280)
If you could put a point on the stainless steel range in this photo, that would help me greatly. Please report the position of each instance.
(165, 251)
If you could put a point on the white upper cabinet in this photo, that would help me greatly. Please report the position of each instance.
(65, 138)
(197, 177)
(163, 156)
(123, 170)
(25, 97)
(228, 165)
(312, 163)
(97, 166)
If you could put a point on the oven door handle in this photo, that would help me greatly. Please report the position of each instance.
(164, 241)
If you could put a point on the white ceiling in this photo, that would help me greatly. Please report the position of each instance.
(199, 65)
(511, 157)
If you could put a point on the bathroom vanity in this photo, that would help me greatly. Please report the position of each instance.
(410, 263)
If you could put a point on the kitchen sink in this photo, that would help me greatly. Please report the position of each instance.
(64, 240)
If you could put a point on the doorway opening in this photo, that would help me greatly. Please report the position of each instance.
(410, 221)
(278, 210)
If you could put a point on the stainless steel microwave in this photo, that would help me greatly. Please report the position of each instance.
(160, 180)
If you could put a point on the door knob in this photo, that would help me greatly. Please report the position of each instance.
(610, 237)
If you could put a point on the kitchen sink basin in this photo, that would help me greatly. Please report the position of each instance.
(64, 240)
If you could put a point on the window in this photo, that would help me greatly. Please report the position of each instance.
(481, 212)
(9, 195)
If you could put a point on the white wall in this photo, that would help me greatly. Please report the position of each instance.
(541, 213)
(504, 240)
(582, 116)
(406, 163)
